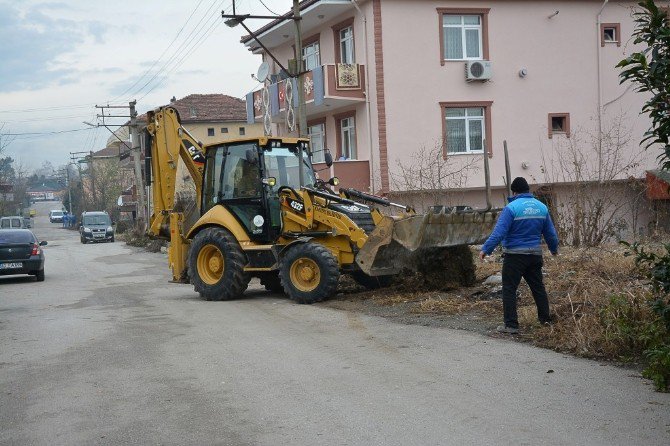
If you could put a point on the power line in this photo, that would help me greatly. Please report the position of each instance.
(139, 79)
(54, 108)
(45, 133)
(52, 118)
(213, 23)
(266, 7)
(187, 41)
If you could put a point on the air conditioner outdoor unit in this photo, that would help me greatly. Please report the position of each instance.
(478, 70)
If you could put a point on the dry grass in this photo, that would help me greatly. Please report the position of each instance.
(596, 295)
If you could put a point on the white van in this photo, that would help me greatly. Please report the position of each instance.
(13, 222)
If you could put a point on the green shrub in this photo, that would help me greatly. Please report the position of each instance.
(656, 335)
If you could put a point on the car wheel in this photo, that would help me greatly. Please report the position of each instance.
(40, 275)
(112, 240)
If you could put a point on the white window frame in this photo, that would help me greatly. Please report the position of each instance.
(348, 138)
(464, 28)
(311, 54)
(317, 133)
(467, 120)
(347, 50)
(615, 38)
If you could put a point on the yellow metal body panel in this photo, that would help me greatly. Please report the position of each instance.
(222, 217)
(178, 249)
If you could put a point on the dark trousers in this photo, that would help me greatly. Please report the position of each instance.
(516, 266)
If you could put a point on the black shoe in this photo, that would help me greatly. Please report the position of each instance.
(507, 330)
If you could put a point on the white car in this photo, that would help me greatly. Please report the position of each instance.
(56, 216)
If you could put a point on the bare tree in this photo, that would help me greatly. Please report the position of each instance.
(596, 176)
(433, 179)
(105, 185)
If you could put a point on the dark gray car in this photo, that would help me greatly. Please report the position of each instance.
(96, 227)
(21, 253)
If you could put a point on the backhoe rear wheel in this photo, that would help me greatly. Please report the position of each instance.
(216, 265)
(309, 273)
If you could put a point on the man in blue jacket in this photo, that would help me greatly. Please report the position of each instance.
(520, 228)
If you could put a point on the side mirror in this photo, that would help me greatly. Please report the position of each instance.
(43, 243)
(328, 158)
(251, 156)
(270, 181)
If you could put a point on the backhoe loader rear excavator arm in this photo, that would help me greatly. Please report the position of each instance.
(169, 142)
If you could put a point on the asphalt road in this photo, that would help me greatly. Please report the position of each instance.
(106, 351)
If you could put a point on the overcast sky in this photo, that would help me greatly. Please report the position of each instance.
(58, 59)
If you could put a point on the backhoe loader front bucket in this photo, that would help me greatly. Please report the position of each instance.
(395, 242)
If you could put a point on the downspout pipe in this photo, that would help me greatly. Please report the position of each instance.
(367, 96)
(600, 92)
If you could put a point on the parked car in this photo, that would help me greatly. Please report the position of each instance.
(13, 222)
(96, 227)
(56, 216)
(21, 253)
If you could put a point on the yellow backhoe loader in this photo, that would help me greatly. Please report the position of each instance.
(260, 211)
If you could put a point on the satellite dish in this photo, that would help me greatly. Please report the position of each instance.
(263, 72)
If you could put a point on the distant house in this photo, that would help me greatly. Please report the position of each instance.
(215, 117)
(46, 191)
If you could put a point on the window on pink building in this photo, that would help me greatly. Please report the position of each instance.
(346, 136)
(466, 127)
(610, 33)
(559, 123)
(463, 34)
(311, 55)
(348, 129)
(343, 34)
(317, 140)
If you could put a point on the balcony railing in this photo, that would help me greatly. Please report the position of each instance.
(327, 87)
(351, 173)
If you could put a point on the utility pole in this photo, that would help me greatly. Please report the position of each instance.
(300, 80)
(91, 168)
(76, 160)
(67, 184)
(135, 150)
(69, 188)
(299, 71)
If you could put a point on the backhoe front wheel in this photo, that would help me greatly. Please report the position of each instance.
(216, 265)
(309, 273)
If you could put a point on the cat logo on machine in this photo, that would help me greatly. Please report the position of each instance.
(298, 206)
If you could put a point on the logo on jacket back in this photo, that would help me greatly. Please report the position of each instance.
(532, 211)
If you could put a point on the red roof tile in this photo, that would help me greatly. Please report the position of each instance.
(210, 108)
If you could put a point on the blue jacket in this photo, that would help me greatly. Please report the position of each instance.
(521, 226)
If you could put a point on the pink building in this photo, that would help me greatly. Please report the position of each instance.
(409, 95)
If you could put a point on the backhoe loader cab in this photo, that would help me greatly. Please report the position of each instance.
(245, 177)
